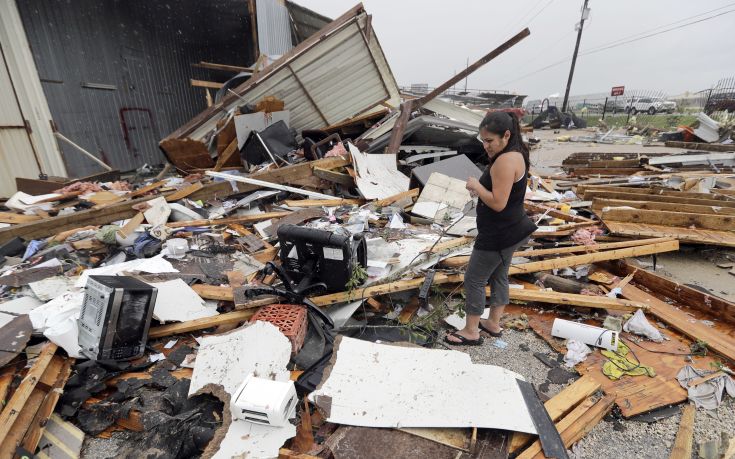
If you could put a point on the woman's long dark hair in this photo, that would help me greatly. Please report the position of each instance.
(498, 123)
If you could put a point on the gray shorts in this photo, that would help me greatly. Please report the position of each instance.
(488, 267)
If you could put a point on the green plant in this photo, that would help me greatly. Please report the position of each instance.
(699, 348)
(357, 277)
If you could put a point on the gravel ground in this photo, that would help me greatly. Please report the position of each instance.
(617, 438)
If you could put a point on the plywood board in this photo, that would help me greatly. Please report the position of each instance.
(414, 387)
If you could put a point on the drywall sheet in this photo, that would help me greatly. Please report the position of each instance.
(380, 385)
(177, 302)
(378, 176)
(222, 363)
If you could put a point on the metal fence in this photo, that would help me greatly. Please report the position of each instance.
(721, 98)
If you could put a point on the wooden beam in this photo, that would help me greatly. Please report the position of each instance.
(591, 194)
(335, 177)
(572, 299)
(699, 146)
(717, 340)
(103, 216)
(555, 213)
(599, 204)
(206, 84)
(227, 221)
(145, 189)
(668, 218)
(184, 192)
(14, 219)
(460, 261)
(587, 258)
(223, 67)
(226, 154)
(560, 405)
(685, 435)
(233, 317)
(323, 202)
(397, 197)
(695, 299)
(15, 405)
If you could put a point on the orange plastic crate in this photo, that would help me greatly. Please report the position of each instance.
(289, 318)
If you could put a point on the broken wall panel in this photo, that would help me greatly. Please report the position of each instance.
(415, 387)
(334, 75)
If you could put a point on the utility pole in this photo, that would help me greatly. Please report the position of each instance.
(585, 13)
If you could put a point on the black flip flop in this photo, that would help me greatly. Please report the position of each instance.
(491, 333)
(463, 341)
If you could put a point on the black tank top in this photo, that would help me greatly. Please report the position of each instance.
(499, 230)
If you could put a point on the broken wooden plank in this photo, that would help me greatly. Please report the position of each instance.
(699, 146)
(200, 324)
(704, 379)
(147, 188)
(14, 219)
(590, 195)
(541, 209)
(15, 405)
(669, 218)
(560, 405)
(184, 192)
(690, 235)
(599, 204)
(335, 177)
(323, 202)
(716, 340)
(682, 448)
(103, 216)
(228, 221)
(572, 299)
(205, 84)
(397, 197)
(226, 154)
(36, 429)
(700, 301)
(456, 262)
(576, 260)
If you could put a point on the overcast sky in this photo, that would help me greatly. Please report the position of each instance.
(427, 41)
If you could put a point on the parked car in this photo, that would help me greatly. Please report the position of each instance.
(652, 105)
(721, 102)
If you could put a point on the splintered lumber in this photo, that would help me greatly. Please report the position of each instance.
(336, 177)
(233, 317)
(682, 448)
(226, 154)
(711, 304)
(582, 426)
(102, 216)
(35, 430)
(572, 299)
(231, 220)
(541, 209)
(143, 190)
(322, 202)
(184, 192)
(590, 195)
(587, 258)
(670, 218)
(718, 341)
(691, 235)
(213, 292)
(560, 405)
(264, 184)
(460, 261)
(599, 204)
(13, 218)
(397, 197)
(15, 405)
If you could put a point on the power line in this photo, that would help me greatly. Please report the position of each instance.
(617, 43)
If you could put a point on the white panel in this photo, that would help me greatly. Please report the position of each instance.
(10, 113)
(274, 27)
(24, 76)
(16, 159)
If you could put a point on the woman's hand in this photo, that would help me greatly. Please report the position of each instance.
(473, 186)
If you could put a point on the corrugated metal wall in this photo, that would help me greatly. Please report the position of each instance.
(274, 28)
(117, 73)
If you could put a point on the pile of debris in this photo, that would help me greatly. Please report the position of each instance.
(283, 299)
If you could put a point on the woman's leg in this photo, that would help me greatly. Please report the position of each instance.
(481, 266)
(500, 289)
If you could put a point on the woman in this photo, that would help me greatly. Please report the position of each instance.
(502, 226)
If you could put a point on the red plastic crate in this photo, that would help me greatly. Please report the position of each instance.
(289, 318)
